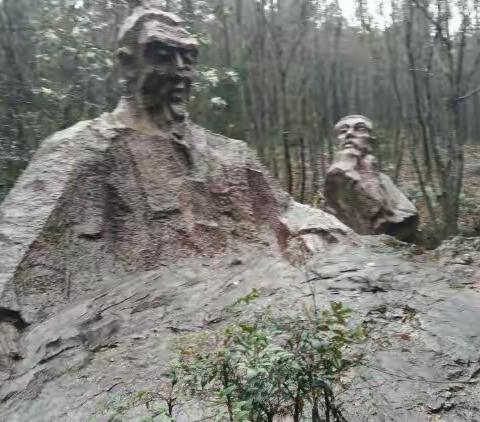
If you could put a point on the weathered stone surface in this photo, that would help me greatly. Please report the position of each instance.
(136, 227)
(359, 194)
(138, 189)
(421, 357)
(459, 250)
(101, 199)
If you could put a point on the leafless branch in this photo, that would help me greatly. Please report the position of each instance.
(468, 95)
(433, 21)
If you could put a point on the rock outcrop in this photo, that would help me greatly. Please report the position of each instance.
(138, 189)
(359, 194)
(420, 361)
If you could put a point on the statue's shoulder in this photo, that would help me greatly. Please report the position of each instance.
(58, 156)
(227, 149)
(234, 153)
(84, 135)
(216, 140)
(399, 200)
(80, 129)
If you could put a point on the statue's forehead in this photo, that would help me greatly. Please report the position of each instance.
(174, 36)
(354, 120)
(146, 25)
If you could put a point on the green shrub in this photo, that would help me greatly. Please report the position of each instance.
(268, 365)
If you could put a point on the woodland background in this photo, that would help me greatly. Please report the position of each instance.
(279, 74)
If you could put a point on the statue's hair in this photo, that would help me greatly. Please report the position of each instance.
(140, 15)
(355, 116)
(148, 4)
(140, 27)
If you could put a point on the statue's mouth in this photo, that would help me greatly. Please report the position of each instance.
(166, 94)
(178, 98)
(350, 144)
(356, 144)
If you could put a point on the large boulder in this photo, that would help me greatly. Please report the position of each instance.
(420, 361)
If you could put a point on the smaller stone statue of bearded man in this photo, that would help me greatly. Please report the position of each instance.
(359, 194)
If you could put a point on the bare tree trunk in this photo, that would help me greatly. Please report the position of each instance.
(417, 94)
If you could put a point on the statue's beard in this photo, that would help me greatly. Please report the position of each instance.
(165, 98)
(361, 145)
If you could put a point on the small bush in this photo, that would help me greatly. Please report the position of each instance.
(268, 366)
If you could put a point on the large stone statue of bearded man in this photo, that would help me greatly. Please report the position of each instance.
(138, 189)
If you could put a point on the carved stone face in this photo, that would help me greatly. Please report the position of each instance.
(355, 132)
(157, 60)
(165, 79)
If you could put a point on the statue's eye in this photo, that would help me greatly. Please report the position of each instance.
(163, 54)
(190, 56)
(157, 53)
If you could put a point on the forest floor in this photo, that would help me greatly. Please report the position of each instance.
(469, 220)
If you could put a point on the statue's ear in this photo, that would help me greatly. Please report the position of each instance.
(126, 57)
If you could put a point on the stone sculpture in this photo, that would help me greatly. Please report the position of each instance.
(145, 189)
(359, 194)
(139, 188)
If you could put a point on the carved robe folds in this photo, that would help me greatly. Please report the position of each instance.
(369, 202)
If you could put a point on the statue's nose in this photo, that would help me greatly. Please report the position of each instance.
(180, 63)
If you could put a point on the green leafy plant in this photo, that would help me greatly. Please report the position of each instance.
(156, 406)
(269, 365)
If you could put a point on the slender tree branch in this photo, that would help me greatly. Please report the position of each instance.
(433, 21)
(468, 95)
